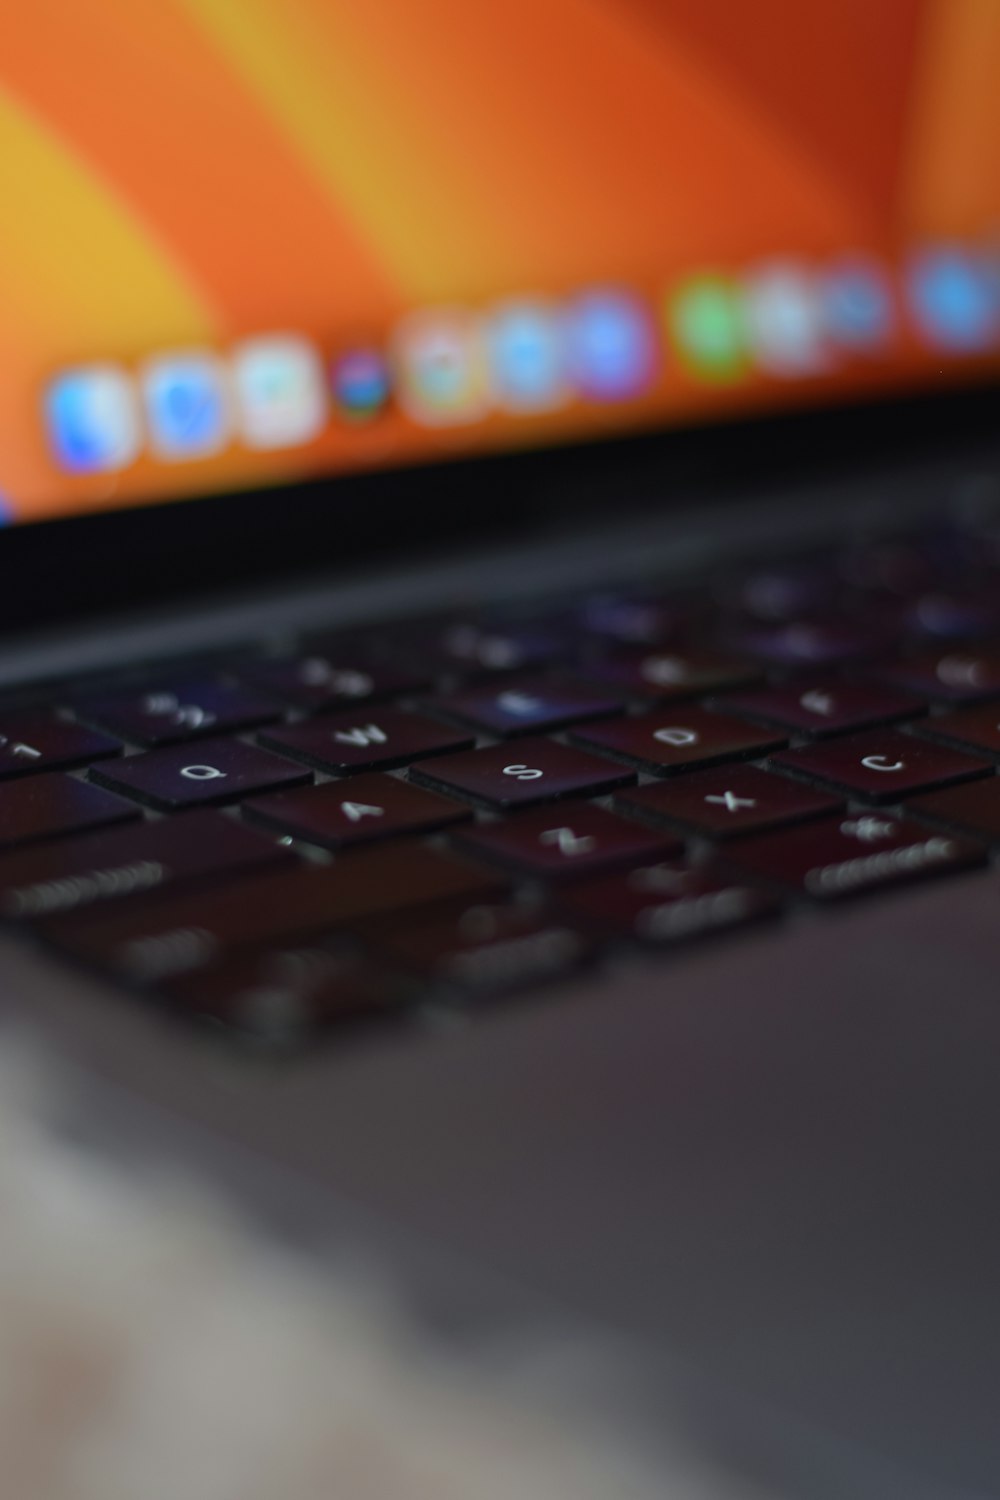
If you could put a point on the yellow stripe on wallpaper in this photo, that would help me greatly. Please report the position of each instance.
(321, 86)
(74, 262)
(949, 185)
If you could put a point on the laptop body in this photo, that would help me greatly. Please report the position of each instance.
(726, 1095)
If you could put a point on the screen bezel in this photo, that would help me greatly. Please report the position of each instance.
(80, 566)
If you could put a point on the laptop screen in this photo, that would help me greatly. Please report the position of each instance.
(251, 241)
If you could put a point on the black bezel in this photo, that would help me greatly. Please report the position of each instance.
(67, 569)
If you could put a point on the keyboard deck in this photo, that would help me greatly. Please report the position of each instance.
(422, 815)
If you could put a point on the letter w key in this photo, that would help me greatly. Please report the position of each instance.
(369, 734)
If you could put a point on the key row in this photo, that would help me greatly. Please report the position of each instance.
(739, 807)
(401, 903)
(881, 766)
(195, 710)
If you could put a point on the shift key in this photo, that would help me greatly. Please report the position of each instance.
(161, 936)
(108, 865)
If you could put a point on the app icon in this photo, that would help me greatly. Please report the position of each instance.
(92, 419)
(360, 383)
(954, 300)
(784, 320)
(441, 367)
(526, 350)
(187, 410)
(612, 348)
(857, 305)
(280, 390)
(705, 316)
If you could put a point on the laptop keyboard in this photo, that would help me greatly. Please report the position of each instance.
(408, 819)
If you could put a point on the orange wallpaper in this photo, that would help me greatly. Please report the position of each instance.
(181, 173)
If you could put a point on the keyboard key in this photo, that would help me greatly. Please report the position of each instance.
(167, 715)
(728, 802)
(964, 676)
(182, 776)
(356, 811)
(635, 619)
(41, 742)
(678, 739)
(675, 674)
(808, 643)
(484, 947)
(882, 765)
(567, 844)
(508, 776)
(48, 806)
(282, 995)
(973, 807)
(151, 939)
(972, 728)
(859, 852)
(94, 868)
(784, 590)
(667, 903)
(469, 647)
(526, 705)
(319, 682)
(824, 707)
(383, 738)
(954, 615)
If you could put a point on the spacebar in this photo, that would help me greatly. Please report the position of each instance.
(171, 934)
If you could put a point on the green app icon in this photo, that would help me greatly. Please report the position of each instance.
(706, 321)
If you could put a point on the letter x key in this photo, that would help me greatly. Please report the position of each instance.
(731, 802)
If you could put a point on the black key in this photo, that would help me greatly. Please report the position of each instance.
(168, 714)
(882, 765)
(678, 739)
(46, 807)
(860, 852)
(643, 619)
(187, 775)
(281, 995)
(674, 674)
(809, 643)
(972, 728)
(473, 647)
(319, 682)
(973, 807)
(567, 844)
(356, 811)
(785, 590)
(482, 947)
(507, 776)
(667, 903)
(151, 939)
(724, 803)
(94, 868)
(825, 707)
(963, 676)
(954, 614)
(34, 742)
(383, 738)
(527, 705)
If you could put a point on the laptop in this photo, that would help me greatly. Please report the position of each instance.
(501, 668)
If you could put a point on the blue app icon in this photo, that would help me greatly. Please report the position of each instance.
(527, 356)
(612, 346)
(186, 405)
(954, 300)
(857, 305)
(92, 419)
